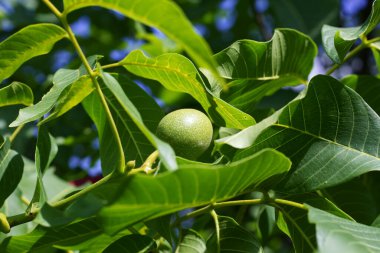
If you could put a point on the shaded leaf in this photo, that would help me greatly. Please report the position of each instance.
(175, 72)
(329, 133)
(192, 242)
(166, 152)
(71, 96)
(305, 16)
(46, 151)
(16, 93)
(162, 225)
(358, 197)
(62, 78)
(368, 87)
(234, 238)
(131, 244)
(337, 41)
(192, 185)
(335, 234)
(31, 41)
(294, 223)
(11, 170)
(164, 15)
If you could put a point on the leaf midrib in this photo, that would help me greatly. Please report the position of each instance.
(326, 140)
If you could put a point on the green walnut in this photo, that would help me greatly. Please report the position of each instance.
(188, 131)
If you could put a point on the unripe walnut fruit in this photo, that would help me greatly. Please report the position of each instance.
(188, 131)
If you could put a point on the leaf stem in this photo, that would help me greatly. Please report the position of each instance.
(53, 8)
(93, 77)
(265, 200)
(112, 65)
(16, 132)
(84, 191)
(217, 229)
(290, 203)
(29, 216)
(348, 56)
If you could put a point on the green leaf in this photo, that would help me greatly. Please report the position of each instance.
(46, 238)
(31, 41)
(376, 54)
(11, 169)
(329, 133)
(135, 144)
(175, 72)
(337, 41)
(192, 185)
(244, 94)
(164, 15)
(275, 59)
(294, 223)
(368, 87)
(357, 199)
(305, 16)
(335, 234)
(376, 222)
(62, 78)
(126, 106)
(46, 151)
(16, 93)
(132, 244)
(71, 96)
(162, 226)
(192, 242)
(96, 244)
(234, 238)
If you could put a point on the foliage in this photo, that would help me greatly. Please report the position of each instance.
(282, 165)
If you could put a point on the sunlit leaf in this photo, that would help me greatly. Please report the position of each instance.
(71, 96)
(234, 238)
(258, 69)
(329, 133)
(175, 72)
(337, 41)
(277, 58)
(16, 93)
(192, 185)
(31, 41)
(335, 234)
(164, 15)
(45, 238)
(61, 79)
